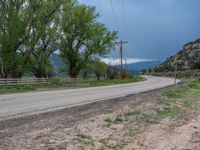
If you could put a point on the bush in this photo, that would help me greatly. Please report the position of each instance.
(56, 81)
(115, 73)
(112, 72)
(126, 74)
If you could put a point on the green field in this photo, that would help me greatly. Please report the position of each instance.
(57, 84)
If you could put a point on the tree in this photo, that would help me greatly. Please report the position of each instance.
(98, 67)
(82, 37)
(112, 72)
(42, 40)
(13, 26)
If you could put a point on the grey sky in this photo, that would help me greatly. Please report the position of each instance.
(155, 29)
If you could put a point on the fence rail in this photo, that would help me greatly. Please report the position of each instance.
(24, 81)
(31, 81)
(194, 74)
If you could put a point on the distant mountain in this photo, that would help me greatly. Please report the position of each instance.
(188, 58)
(134, 67)
(56, 60)
(138, 67)
(57, 64)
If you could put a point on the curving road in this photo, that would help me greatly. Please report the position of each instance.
(16, 105)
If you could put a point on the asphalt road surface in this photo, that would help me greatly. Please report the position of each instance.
(23, 104)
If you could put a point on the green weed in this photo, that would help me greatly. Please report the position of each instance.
(131, 113)
(167, 112)
(114, 146)
(85, 139)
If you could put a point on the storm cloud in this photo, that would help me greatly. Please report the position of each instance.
(155, 29)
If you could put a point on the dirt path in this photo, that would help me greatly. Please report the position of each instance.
(122, 123)
(179, 134)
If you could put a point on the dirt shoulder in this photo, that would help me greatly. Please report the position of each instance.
(122, 123)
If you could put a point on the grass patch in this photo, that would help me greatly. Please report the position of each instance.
(116, 81)
(131, 113)
(146, 119)
(167, 112)
(175, 101)
(194, 85)
(114, 146)
(183, 96)
(17, 88)
(117, 120)
(167, 101)
(85, 139)
(132, 132)
(174, 94)
(120, 118)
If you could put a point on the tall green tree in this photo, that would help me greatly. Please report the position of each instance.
(13, 26)
(42, 40)
(82, 37)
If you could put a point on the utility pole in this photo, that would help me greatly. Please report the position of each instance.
(121, 54)
(121, 51)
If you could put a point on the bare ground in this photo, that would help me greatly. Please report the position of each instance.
(122, 123)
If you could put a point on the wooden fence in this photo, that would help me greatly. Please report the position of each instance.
(24, 81)
(193, 74)
(31, 81)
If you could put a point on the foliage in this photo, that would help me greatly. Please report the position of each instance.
(98, 67)
(196, 65)
(164, 68)
(112, 72)
(30, 31)
(82, 37)
(115, 73)
(13, 33)
(42, 39)
(126, 74)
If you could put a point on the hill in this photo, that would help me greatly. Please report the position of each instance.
(140, 66)
(134, 67)
(57, 64)
(188, 58)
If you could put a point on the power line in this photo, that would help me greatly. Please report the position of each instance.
(115, 17)
(101, 9)
(124, 16)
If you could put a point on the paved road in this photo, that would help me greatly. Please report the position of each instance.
(16, 105)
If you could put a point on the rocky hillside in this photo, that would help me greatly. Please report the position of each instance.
(186, 59)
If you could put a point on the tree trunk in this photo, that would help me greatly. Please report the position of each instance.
(2, 68)
(38, 74)
(73, 72)
(85, 75)
(97, 75)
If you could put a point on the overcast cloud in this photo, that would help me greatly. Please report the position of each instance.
(155, 29)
